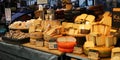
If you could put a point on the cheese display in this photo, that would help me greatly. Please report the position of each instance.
(54, 34)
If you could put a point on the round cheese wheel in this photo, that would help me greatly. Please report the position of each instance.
(103, 51)
(65, 50)
(66, 42)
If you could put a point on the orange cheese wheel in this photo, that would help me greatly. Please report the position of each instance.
(65, 50)
(66, 42)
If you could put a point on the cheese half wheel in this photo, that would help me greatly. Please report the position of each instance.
(103, 51)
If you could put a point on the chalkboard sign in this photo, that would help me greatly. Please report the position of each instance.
(116, 18)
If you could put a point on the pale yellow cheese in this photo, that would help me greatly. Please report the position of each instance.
(36, 22)
(91, 38)
(71, 32)
(89, 44)
(107, 21)
(107, 30)
(100, 40)
(32, 29)
(69, 25)
(76, 26)
(107, 13)
(109, 41)
(101, 29)
(76, 32)
(79, 18)
(36, 35)
(115, 52)
(90, 18)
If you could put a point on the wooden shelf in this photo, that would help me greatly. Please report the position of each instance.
(45, 49)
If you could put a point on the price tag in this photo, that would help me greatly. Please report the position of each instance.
(93, 55)
(42, 1)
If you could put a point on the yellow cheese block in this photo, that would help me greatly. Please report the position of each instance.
(103, 51)
(32, 29)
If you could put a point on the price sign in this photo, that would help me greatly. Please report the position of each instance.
(93, 54)
(116, 18)
(8, 15)
(42, 1)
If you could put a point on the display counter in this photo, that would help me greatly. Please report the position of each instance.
(81, 56)
(16, 52)
(31, 52)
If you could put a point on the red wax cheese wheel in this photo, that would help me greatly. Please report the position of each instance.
(66, 42)
(65, 50)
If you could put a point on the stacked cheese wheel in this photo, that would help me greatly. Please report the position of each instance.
(66, 44)
(103, 51)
